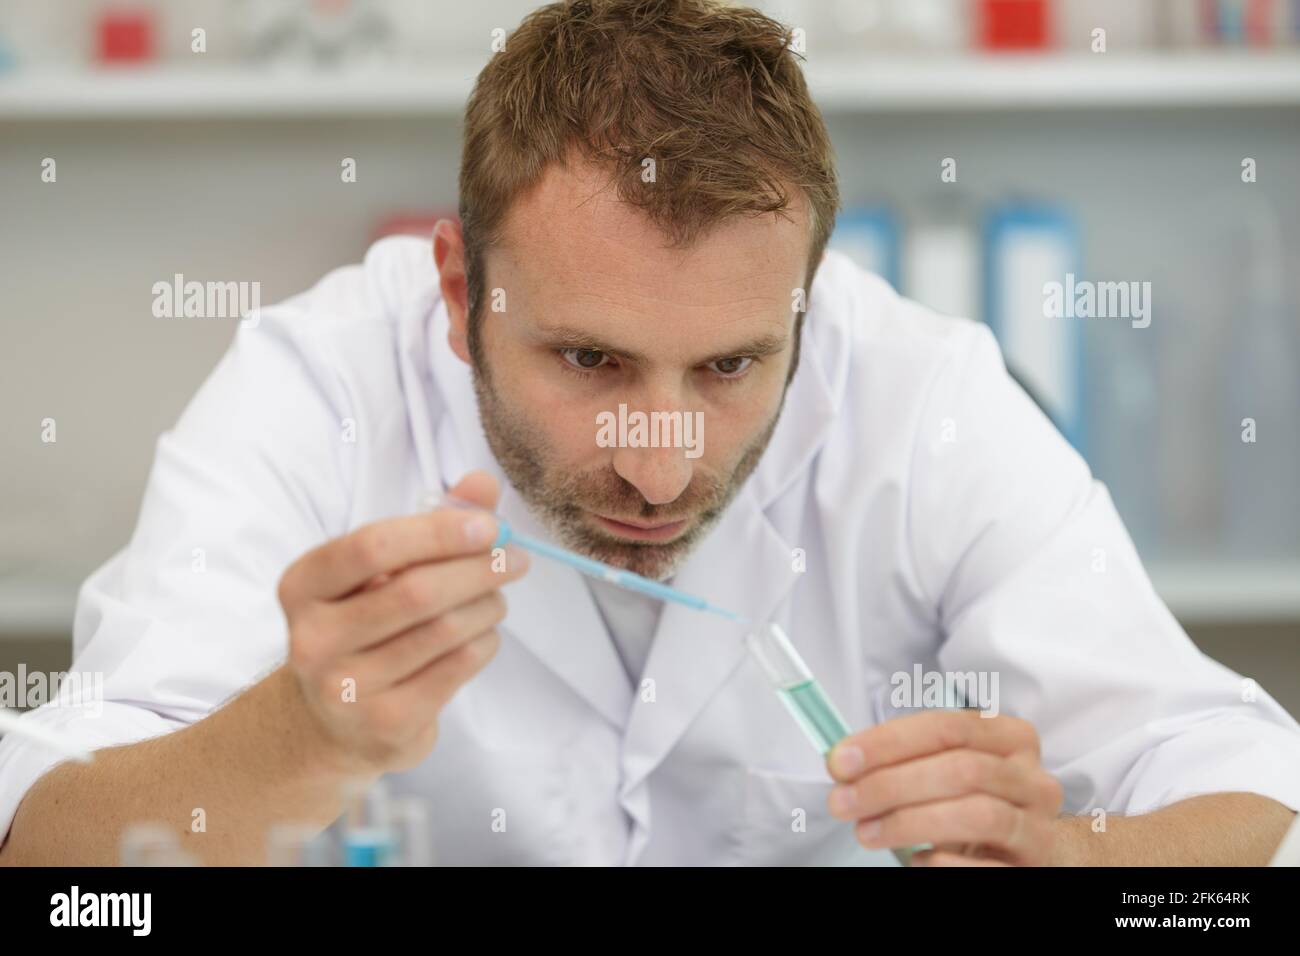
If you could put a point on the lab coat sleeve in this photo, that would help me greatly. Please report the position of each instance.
(1037, 581)
(186, 616)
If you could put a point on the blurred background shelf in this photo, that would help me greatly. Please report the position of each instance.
(1217, 591)
(37, 609)
(239, 93)
(1046, 81)
(869, 83)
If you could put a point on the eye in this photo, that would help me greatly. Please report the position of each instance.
(585, 359)
(731, 367)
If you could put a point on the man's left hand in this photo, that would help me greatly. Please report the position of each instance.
(970, 786)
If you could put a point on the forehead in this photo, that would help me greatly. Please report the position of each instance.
(572, 236)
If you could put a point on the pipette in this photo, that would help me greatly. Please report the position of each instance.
(595, 569)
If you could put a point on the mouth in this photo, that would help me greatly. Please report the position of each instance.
(641, 531)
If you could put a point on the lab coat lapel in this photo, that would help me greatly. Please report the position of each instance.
(744, 566)
(553, 613)
(551, 610)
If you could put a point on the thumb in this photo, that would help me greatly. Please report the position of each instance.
(479, 488)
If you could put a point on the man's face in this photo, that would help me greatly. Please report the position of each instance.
(596, 313)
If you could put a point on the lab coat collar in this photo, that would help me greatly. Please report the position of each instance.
(811, 402)
(745, 566)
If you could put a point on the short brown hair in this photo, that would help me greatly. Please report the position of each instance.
(712, 93)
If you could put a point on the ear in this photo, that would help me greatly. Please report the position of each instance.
(449, 257)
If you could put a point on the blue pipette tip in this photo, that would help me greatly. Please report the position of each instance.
(588, 566)
(729, 615)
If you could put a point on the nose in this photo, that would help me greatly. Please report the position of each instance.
(659, 473)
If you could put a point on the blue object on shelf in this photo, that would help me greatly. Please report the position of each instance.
(869, 235)
(368, 849)
(1231, 21)
(1025, 247)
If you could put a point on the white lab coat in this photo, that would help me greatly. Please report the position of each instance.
(939, 518)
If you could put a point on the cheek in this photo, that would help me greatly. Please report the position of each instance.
(561, 424)
(527, 385)
(574, 438)
(732, 424)
(725, 437)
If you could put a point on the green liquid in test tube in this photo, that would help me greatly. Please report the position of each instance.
(815, 714)
(803, 697)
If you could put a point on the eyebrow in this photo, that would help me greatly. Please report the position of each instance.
(564, 336)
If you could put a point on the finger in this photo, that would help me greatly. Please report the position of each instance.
(964, 849)
(341, 566)
(393, 661)
(941, 776)
(377, 581)
(478, 488)
(420, 594)
(1011, 831)
(917, 735)
(427, 691)
(946, 858)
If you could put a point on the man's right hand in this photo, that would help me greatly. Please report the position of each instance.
(388, 621)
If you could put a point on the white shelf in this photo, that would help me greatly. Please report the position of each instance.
(37, 609)
(1222, 591)
(232, 94)
(1044, 81)
(867, 83)
(1197, 592)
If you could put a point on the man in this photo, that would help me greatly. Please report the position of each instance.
(646, 195)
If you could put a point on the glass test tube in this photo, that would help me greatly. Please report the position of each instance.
(367, 829)
(803, 696)
(296, 844)
(152, 844)
(414, 836)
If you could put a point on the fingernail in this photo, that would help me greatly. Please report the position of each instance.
(869, 831)
(842, 801)
(848, 760)
(479, 530)
(517, 558)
